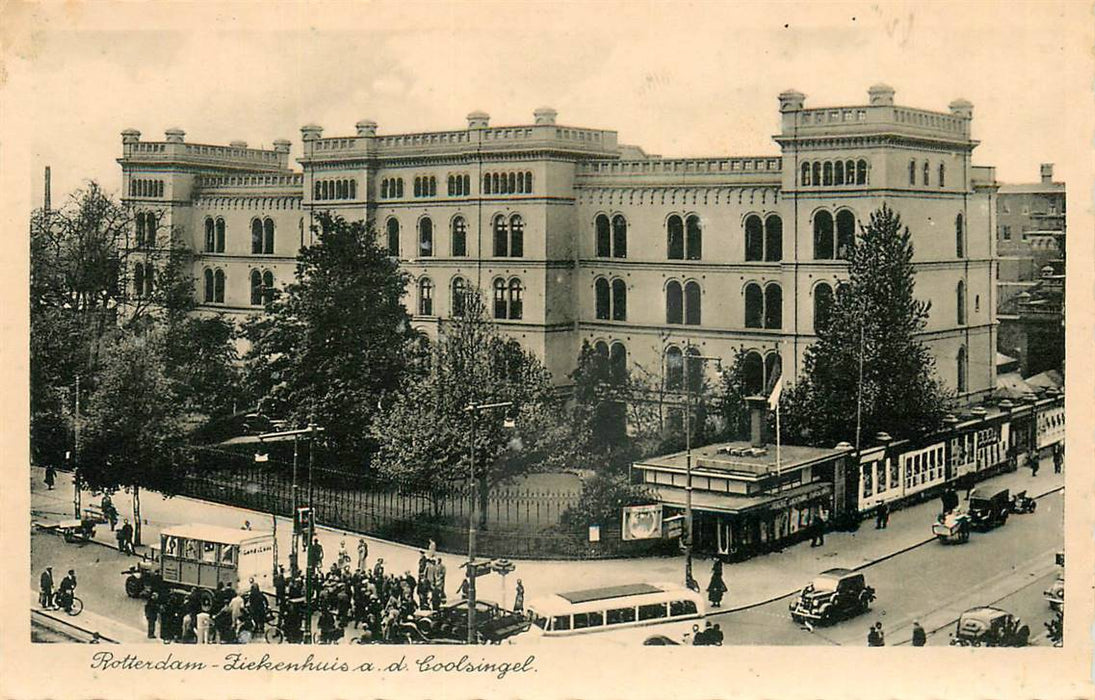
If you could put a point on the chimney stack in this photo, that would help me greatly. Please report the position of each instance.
(478, 120)
(758, 420)
(1047, 173)
(45, 199)
(880, 94)
(791, 101)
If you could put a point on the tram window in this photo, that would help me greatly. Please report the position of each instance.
(209, 551)
(190, 549)
(618, 616)
(682, 607)
(560, 622)
(228, 554)
(652, 611)
(583, 620)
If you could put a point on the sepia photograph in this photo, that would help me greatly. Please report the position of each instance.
(471, 348)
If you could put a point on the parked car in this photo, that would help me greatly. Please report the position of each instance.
(1055, 594)
(987, 512)
(832, 595)
(1022, 503)
(450, 623)
(986, 626)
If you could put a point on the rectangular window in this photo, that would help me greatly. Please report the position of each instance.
(682, 607)
(591, 619)
(560, 622)
(652, 611)
(618, 616)
(1007, 233)
(868, 475)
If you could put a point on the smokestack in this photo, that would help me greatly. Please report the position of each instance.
(758, 420)
(45, 198)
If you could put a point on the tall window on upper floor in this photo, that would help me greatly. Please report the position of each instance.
(150, 229)
(674, 302)
(619, 236)
(140, 229)
(508, 299)
(845, 234)
(773, 368)
(942, 175)
(516, 236)
(960, 302)
(603, 236)
(753, 373)
(459, 237)
(617, 359)
(393, 237)
(619, 300)
(218, 287)
(773, 238)
(805, 177)
(353, 189)
(602, 300)
(693, 238)
(516, 300)
(693, 370)
(256, 288)
(823, 306)
(860, 172)
(459, 296)
(268, 236)
(500, 306)
(927, 171)
(959, 237)
(754, 238)
(501, 237)
(207, 286)
(675, 238)
(220, 235)
(138, 280)
(754, 306)
(692, 304)
(817, 173)
(210, 235)
(912, 172)
(838, 173)
(827, 174)
(425, 297)
(823, 236)
(267, 287)
(256, 236)
(960, 361)
(674, 369)
(773, 306)
(425, 237)
(318, 193)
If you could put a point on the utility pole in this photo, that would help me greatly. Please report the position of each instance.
(76, 456)
(689, 580)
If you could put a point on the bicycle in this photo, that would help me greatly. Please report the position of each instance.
(76, 606)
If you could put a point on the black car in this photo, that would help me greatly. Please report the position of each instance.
(987, 626)
(987, 512)
(834, 594)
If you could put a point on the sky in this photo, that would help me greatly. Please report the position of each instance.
(678, 79)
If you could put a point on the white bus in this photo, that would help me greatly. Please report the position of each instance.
(638, 613)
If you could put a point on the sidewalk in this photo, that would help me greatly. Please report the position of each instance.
(88, 622)
(752, 582)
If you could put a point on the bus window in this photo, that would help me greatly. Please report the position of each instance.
(228, 554)
(618, 616)
(682, 607)
(538, 620)
(190, 549)
(592, 619)
(651, 611)
(171, 547)
(209, 552)
(560, 622)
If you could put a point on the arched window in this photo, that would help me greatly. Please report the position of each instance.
(674, 369)
(961, 370)
(393, 237)
(849, 172)
(499, 298)
(675, 238)
(694, 238)
(959, 237)
(754, 238)
(425, 237)
(773, 368)
(912, 172)
(823, 236)
(486, 183)
(601, 348)
(208, 285)
(140, 229)
(425, 297)
(845, 234)
(838, 173)
(960, 302)
(927, 169)
(773, 306)
(692, 304)
(220, 235)
(942, 175)
(210, 235)
(418, 187)
(267, 287)
(150, 230)
(452, 186)
(753, 371)
(674, 303)
(619, 300)
(773, 239)
(817, 173)
(138, 280)
(399, 187)
(805, 175)
(516, 303)
(353, 189)
(268, 236)
(256, 288)
(827, 174)
(459, 296)
(823, 305)
(149, 276)
(528, 182)
(325, 191)
(132, 188)
(603, 236)
(860, 172)
(459, 237)
(218, 287)
(501, 238)
(603, 302)
(516, 236)
(433, 186)
(693, 370)
(617, 358)
(256, 236)
(619, 236)
(754, 306)
(467, 184)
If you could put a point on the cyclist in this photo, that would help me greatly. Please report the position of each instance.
(65, 591)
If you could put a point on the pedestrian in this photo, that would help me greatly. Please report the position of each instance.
(109, 511)
(125, 538)
(1034, 462)
(246, 525)
(257, 608)
(519, 598)
(45, 590)
(875, 636)
(51, 476)
(235, 607)
(315, 555)
(280, 584)
(66, 591)
(204, 627)
(463, 591)
(151, 612)
(378, 570)
(919, 637)
(817, 530)
(717, 636)
(1058, 459)
(882, 518)
(717, 587)
(362, 553)
(343, 556)
(431, 549)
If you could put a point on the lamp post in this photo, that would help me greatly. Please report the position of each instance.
(689, 581)
(471, 573)
(76, 455)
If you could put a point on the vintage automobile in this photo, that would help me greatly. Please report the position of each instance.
(832, 595)
(199, 556)
(986, 626)
(1055, 594)
(952, 527)
(449, 625)
(1022, 503)
(987, 512)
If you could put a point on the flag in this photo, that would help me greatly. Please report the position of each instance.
(262, 457)
(773, 398)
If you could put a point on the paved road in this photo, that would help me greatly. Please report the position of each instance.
(1008, 566)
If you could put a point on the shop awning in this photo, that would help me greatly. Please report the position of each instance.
(729, 503)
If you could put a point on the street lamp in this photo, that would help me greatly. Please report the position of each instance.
(472, 573)
(689, 581)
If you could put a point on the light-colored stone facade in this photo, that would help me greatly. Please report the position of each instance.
(609, 236)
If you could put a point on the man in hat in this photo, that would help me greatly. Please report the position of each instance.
(919, 637)
(45, 596)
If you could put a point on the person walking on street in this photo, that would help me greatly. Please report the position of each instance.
(65, 591)
(1058, 459)
(235, 607)
(717, 587)
(919, 637)
(51, 476)
(519, 598)
(343, 556)
(315, 555)
(125, 538)
(204, 627)
(882, 517)
(109, 511)
(875, 636)
(151, 612)
(45, 583)
(280, 585)
(818, 530)
(362, 553)
(1034, 462)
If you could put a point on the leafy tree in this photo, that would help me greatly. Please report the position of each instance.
(425, 433)
(729, 404)
(874, 315)
(598, 420)
(603, 498)
(336, 340)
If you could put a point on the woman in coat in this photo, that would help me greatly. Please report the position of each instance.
(716, 588)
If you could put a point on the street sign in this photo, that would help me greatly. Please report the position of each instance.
(673, 527)
(642, 522)
(502, 566)
(594, 533)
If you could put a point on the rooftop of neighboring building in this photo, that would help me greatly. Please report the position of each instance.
(740, 458)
